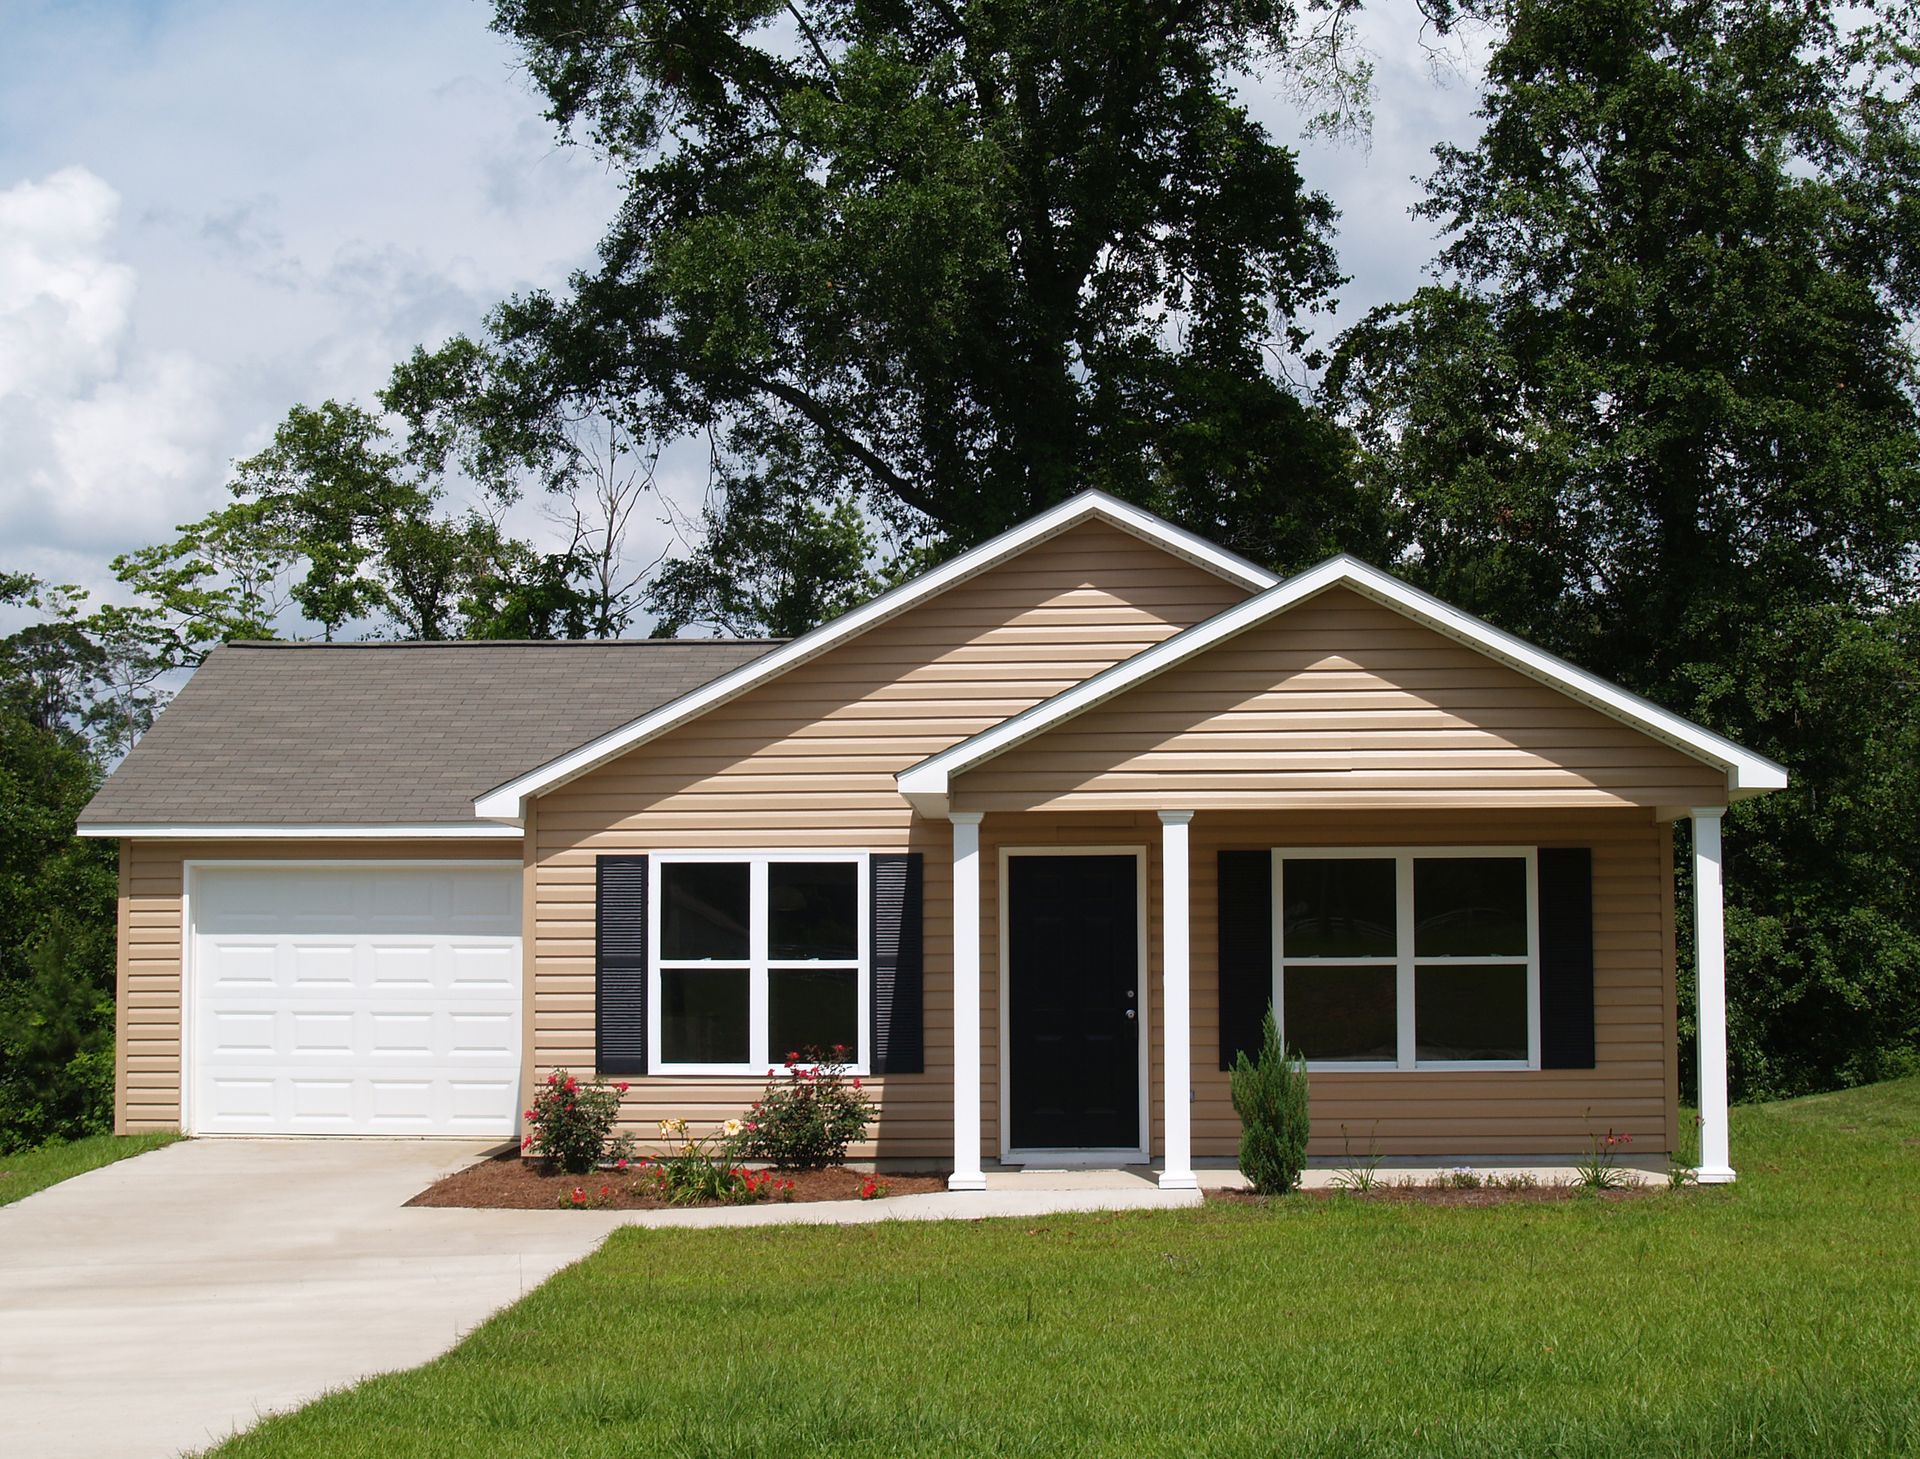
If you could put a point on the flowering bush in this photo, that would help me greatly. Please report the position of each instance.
(572, 1123)
(806, 1119)
(872, 1188)
(694, 1170)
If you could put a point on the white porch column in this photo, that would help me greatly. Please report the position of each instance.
(1176, 1023)
(1710, 977)
(967, 1175)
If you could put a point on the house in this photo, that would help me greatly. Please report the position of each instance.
(1099, 785)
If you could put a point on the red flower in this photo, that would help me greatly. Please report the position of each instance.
(527, 1144)
(532, 1114)
(579, 1196)
(622, 1165)
(622, 1086)
(792, 1058)
(606, 1190)
(571, 1086)
(553, 1079)
(856, 1082)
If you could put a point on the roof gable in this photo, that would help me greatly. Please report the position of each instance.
(928, 783)
(507, 801)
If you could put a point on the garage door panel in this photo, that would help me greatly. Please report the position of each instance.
(318, 964)
(483, 967)
(403, 967)
(319, 1033)
(349, 1002)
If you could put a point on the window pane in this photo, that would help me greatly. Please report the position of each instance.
(1341, 1013)
(1470, 906)
(1337, 908)
(811, 1009)
(704, 909)
(703, 1016)
(1470, 1013)
(813, 907)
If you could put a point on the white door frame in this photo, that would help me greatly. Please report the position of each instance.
(1136, 1154)
(188, 933)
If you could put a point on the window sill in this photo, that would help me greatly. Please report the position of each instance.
(760, 1072)
(1448, 1066)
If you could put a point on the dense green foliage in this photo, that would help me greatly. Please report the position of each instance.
(34, 1170)
(57, 893)
(1270, 1096)
(1659, 415)
(1770, 1318)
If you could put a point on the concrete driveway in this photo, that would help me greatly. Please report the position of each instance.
(158, 1305)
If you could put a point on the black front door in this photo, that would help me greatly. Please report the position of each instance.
(1073, 1012)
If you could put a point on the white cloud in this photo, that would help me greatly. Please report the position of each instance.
(63, 302)
(95, 435)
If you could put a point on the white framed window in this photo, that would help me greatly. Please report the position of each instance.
(1424, 957)
(753, 956)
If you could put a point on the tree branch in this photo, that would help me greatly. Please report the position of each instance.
(845, 440)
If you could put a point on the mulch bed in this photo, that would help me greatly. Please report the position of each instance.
(506, 1182)
(1429, 1195)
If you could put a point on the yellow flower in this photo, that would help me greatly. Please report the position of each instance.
(731, 1128)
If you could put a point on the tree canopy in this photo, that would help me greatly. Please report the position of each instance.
(1658, 412)
(949, 263)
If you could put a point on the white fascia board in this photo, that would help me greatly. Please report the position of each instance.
(506, 802)
(439, 831)
(1747, 772)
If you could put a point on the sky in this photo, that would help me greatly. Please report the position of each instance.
(210, 211)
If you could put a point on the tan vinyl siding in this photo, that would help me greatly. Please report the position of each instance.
(1412, 1112)
(808, 760)
(152, 874)
(1339, 699)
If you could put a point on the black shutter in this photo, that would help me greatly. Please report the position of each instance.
(1566, 958)
(1246, 950)
(898, 1034)
(620, 965)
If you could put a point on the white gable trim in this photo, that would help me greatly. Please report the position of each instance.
(507, 802)
(436, 831)
(927, 784)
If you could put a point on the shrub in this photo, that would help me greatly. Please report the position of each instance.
(1270, 1096)
(573, 1123)
(806, 1119)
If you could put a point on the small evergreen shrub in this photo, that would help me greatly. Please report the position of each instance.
(806, 1120)
(1270, 1096)
(572, 1123)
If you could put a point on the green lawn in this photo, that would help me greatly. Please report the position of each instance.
(1778, 1317)
(35, 1170)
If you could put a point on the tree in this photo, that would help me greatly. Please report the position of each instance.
(947, 263)
(778, 568)
(57, 893)
(1271, 1096)
(1658, 412)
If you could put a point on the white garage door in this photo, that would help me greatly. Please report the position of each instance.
(354, 1000)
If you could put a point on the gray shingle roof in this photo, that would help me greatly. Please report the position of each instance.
(387, 733)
